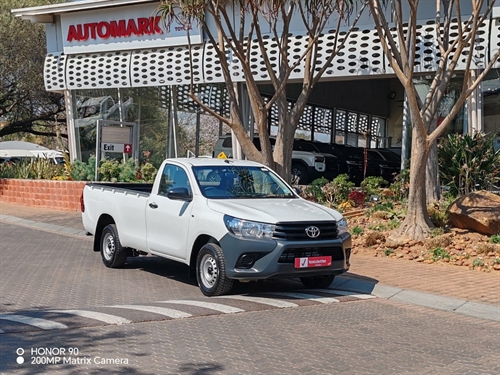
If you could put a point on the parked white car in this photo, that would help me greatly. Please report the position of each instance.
(227, 219)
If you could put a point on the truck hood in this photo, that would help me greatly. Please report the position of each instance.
(273, 210)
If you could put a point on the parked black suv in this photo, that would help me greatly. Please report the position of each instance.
(381, 162)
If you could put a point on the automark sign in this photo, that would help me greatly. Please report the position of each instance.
(117, 29)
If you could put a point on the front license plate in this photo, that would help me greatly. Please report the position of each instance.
(311, 262)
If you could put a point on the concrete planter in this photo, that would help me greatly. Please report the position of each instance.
(59, 195)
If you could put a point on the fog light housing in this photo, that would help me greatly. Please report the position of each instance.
(246, 260)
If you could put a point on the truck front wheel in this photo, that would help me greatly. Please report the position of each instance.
(211, 271)
(317, 281)
(112, 253)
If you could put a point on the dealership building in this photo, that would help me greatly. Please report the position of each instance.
(125, 79)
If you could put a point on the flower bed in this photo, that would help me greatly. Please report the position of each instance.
(59, 195)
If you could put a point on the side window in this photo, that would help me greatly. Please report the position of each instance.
(173, 177)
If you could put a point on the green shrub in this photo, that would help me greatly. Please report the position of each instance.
(81, 171)
(148, 172)
(439, 253)
(495, 238)
(314, 190)
(371, 185)
(128, 171)
(468, 163)
(109, 170)
(338, 190)
(388, 252)
(38, 169)
(477, 263)
(400, 188)
(357, 231)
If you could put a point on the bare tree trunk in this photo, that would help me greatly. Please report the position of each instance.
(284, 140)
(432, 184)
(432, 189)
(417, 224)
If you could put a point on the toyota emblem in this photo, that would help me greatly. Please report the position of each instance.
(312, 231)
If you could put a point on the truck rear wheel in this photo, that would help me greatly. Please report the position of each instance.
(211, 271)
(112, 253)
(317, 281)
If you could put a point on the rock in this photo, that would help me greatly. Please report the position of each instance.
(459, 263)
(428, 261)
(478, 211)
(420, 259)
(496, 267)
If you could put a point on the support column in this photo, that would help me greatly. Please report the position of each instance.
(73, 134)
(474, 106)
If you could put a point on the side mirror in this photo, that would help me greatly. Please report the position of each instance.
(179, 193)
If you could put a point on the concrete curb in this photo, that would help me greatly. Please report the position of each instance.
(475, 309)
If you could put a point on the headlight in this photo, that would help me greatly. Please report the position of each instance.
(342, 226)
(244, 228)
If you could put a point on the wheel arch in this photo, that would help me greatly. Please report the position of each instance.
(104, 220)
(197, 245)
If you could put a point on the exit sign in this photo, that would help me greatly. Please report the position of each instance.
(123, 148)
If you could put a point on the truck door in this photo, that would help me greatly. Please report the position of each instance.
(167, 219)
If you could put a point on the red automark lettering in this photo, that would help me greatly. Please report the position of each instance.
(114, 29)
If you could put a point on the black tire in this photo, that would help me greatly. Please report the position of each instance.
(112, 253)
(299, 174)
(211, 271)
(317, 282)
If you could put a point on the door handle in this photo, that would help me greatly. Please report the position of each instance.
(153, 205)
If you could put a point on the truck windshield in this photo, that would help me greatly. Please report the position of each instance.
(224, 182)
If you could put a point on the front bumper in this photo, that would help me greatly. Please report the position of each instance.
(275, 258)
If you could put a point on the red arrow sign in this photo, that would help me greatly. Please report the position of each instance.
(127, 148)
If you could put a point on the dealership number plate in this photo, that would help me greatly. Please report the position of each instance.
(312, 262)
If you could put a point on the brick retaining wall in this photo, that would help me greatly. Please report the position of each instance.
(59, 195)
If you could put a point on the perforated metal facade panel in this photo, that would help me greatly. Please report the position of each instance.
(495, 40)
(98, 70)
(53, 71)
(362, 55)
(166, 66)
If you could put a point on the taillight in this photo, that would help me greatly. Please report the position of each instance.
(82, 205)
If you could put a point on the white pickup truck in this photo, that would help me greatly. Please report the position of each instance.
(227, 219)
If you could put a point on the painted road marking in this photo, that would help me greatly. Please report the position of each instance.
(208, 305)
(311, 297)
(35, 322)
(106, 318)
(171, 313)
(46, 324)
(342, 293)
(264, 301)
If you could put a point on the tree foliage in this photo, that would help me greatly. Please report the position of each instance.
(25, 105)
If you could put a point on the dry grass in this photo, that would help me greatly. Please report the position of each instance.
(374, 238)
(438, 241)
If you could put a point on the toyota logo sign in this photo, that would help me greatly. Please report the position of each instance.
(312, 231)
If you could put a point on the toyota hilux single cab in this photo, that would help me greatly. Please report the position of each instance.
(226, 219)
